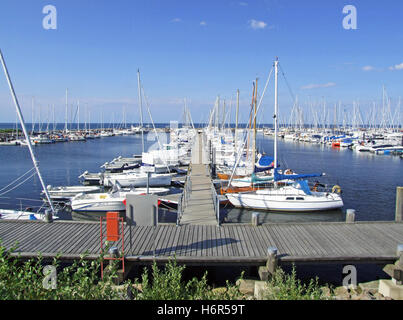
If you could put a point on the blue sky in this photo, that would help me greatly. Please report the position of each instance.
(197, 50)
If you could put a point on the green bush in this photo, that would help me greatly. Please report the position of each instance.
(284, 286)
(81, 280)
(23, 280)
(168, 285)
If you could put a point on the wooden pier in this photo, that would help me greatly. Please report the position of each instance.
(242, 245)
(200, 208)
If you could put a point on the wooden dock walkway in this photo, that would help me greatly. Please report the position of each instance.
(200, 208)
(243, 245)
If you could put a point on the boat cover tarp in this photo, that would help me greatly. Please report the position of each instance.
(265, 163)
(256, 179)
(304, 186)
(279, 176)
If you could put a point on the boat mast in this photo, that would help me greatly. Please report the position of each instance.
(66, 114)
(33, 119)
(275, 111)
(254, 130)
(20, 116)
(237, 111)
(78, 116)
(53, 118)
(141, 112)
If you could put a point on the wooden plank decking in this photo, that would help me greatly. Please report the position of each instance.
(204, 244)
(200, 209)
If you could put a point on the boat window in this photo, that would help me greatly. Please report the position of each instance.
(300, 198)
(290, 198)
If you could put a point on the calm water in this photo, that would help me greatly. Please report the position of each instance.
(368, 181)
(60, 164)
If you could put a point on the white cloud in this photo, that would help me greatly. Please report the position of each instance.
(368, 68)
(176, 20)
(244, 4)
(203, 23)
(397, 67)
(316, 86)
(254, 24)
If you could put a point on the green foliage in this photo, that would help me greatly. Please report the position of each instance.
(81, 280)
(284, 286)
(168, 285)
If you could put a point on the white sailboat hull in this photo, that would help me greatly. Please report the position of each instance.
(278, 202)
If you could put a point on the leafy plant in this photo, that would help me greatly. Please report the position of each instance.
(21, 280)
(283, 286)
(168, 285)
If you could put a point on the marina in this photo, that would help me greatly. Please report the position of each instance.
(247, 162)
(201, 236)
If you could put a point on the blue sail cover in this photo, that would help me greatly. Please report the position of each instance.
(334, 138)
(304, 186)
(279, 176)
(265, 163)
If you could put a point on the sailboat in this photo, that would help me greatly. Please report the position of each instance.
(252, 173)
(295, 197)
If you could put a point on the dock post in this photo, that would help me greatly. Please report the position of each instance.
(397, 277)
(350, 215)
(399, 204)
(213, 167)
(271, 260)
(218, 212)
(48, 216)
(271, 264)
(255, 219)
(400, 255)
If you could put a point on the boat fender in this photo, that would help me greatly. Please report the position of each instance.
(336, 189)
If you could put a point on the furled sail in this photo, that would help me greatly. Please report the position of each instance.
(279, 176)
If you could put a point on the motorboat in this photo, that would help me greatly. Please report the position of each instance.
(112, 201)
(68, 192)
(137, 179)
